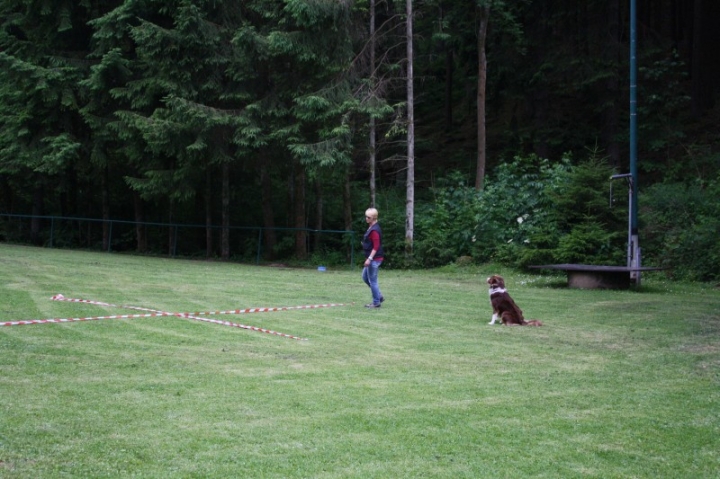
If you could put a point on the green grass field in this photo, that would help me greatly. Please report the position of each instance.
(617, 384)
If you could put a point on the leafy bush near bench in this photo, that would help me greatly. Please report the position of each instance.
(533, 211)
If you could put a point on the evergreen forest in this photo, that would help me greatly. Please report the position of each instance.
(488, 129)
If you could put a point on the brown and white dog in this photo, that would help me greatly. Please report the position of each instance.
(504, 308)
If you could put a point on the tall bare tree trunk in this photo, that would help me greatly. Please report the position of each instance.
(140, 232)
(317, 240)
(373, 132)
(105, 206)
(299, 203)
(483, 16)
(225, 235)
(410, 188)
(172, 230)
(208, 212)
(269, 236)
(37, 210)
(347, 207)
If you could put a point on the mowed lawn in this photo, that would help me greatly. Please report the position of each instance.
(616, 384)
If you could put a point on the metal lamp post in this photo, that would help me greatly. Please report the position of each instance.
(633, 260)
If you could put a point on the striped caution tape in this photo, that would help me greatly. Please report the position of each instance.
(243, 326)
(89, 318)
(264, 310)
(151, 313)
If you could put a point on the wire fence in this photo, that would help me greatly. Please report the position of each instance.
(173, 239)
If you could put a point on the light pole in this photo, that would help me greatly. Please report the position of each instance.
(633, 245)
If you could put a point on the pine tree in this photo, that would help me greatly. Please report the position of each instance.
(301, 51)
(176, 103)
(42, 58)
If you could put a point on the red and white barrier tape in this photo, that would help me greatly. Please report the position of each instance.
(89, 318)
(243, 326)
(155, 313)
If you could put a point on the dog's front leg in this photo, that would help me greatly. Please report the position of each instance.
(494, 318)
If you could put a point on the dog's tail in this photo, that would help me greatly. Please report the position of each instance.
(533, 322)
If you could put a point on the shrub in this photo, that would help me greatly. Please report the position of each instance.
(591, 230)
(530, 212)
(513, 208)
(680, 229)
(590, 243)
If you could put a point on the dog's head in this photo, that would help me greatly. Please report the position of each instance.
(495, 281)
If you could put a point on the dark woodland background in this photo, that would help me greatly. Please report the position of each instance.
(229, 114)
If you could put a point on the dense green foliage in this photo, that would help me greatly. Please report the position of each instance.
(256, 114)
(682, 228)
(534, 212)
(530, 212)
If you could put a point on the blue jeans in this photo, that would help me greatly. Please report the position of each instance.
(370, 276)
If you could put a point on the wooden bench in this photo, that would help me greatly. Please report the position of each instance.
(594, 276)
